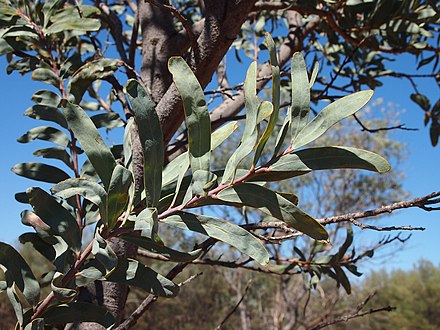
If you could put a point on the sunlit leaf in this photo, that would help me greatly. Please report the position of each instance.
(331, 115)
(275, 98)
(196, 114)
(250, 133)
(46, 112)
(91, 141)
(222, 230)
(300, 107)
(266, 200)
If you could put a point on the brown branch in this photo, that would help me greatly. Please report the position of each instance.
(420, 202)
(226, 318)
(346, 318)
(376, 130)
(332, 22)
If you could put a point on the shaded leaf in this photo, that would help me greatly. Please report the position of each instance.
(222, 230)
(150, 134)
(59, 153)
(108, 120)
(45, 133)
(104, 253)
(88, 73)
(118, 197)
(17, 272)
(342, 279)
(55, 216)
(173, 255)
(91, 141)
(40, 172)
(62, 293)
(77, 312)
(47, 76)
(132, 272)
(421, 100)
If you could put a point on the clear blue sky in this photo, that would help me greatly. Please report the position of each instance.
(421, 167)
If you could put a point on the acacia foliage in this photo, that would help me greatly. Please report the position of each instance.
(125, 191)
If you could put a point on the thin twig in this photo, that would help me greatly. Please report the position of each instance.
(226, 318)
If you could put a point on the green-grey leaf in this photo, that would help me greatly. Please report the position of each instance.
(314, 74)
(132, 272)
(90, 72)
(88, 189)
(45, 133)
(196, 113)
(40, 172)
(173, 255)
(222, 230)
(331, 115)
(326, 158)
(47, 76)
(151, 137)
(77, 312)
(276, 91)
(250, 134)
(144, 220)
(108, 120)
(59, 219)
(104, 253)
(17, 271)
(274, 204)
(46, 112)
(59, 153)
(62, 293)
(300, 107)
(73, 24)
(91, 141)
(222, 133)
(45, 97)
(117, 198)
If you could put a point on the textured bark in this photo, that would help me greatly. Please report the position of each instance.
(160, 40)
(112, 296)
(221, 25)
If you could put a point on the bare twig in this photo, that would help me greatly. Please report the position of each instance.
(226, 318)
(420, 202)
(346, 318)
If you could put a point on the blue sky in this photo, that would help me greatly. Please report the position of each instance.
(421, 167)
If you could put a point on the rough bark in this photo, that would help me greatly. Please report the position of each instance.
(110, 295)
(221, 25)
(159, 41)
